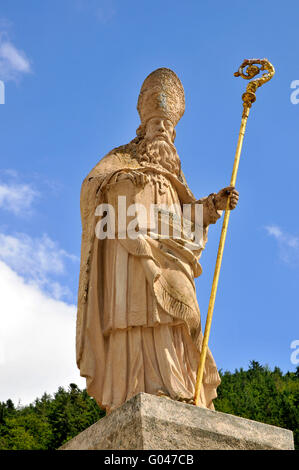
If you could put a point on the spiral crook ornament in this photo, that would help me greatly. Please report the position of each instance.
(248, 70)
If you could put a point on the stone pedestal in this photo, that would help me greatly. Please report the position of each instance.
(154, 423)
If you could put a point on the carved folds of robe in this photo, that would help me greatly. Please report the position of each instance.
(138, 322)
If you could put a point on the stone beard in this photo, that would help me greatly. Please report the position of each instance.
(159, 151)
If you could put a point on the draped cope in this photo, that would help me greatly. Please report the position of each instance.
(138, 321)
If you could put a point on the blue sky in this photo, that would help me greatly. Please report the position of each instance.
(72, 71)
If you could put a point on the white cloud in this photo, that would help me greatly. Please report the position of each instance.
(275, 231)
(37, 340)
(37, 332)
(37, 260)
(288, 244)
(13, 61)
(17, 198)
(103, 11)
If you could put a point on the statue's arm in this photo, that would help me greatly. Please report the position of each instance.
(215, 203)
(210, 212)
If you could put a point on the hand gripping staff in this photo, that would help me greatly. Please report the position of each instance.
(249, 69)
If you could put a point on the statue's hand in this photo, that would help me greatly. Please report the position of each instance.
(137, 177)
(221, 197)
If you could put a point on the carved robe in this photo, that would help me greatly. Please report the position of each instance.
(138, 323)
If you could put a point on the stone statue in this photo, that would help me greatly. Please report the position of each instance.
(138, 323)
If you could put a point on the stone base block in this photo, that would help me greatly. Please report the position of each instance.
(157, 423)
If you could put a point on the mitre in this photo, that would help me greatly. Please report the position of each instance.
(161, 94)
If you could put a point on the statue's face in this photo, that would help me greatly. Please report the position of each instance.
(158, 127)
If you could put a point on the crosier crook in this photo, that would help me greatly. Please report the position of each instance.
(251, 70)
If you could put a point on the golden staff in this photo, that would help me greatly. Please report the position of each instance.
(248, 98)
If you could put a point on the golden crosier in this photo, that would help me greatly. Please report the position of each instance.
(248, 98)
(252, 70)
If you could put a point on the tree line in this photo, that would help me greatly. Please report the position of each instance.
(260, 394)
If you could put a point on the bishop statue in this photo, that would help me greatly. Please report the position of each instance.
(138, 321)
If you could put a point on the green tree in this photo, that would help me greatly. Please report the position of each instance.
(262, 395)
(49, 421)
